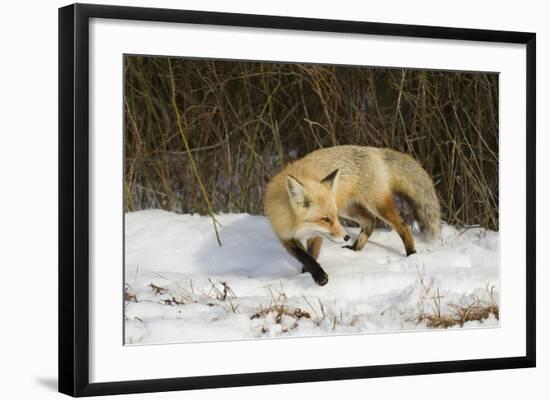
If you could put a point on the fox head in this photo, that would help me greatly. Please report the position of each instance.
(314, 205)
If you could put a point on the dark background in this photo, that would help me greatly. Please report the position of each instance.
(206, 136)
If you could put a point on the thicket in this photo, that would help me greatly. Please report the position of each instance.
(207, 135)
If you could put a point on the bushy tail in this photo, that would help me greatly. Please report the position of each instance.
(414, 184)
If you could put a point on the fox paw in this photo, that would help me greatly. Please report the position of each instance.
(321, 279)
(319, 276)
(353, 247)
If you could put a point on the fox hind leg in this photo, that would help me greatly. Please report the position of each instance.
(389, 213)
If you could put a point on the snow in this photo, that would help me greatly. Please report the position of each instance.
(181, 286)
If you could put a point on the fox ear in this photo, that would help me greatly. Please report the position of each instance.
(296, 192)
(331, 180)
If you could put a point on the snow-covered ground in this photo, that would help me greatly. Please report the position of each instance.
(181, 286)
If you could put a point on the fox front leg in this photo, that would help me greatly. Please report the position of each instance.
(359, 243)
(361, 215)
(310, 265)
(314, 246)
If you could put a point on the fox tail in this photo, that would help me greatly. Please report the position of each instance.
(413, 183)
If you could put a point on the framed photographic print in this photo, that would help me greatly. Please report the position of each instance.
(308, 199)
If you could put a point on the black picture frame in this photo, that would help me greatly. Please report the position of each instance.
(74, 201)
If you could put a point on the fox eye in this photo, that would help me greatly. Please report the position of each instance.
(325, 220)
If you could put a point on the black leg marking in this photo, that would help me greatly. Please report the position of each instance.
(310, 265)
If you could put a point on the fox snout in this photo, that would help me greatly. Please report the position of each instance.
(340, 236)
(339, 240)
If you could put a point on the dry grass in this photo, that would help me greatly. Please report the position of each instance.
(219, 294)
(279, 312)
(477, 310)
(224, 294)
(205, 136)
(323, 315)
(453, 314)
(128, 295)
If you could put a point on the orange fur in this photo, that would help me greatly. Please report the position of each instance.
(305, 199)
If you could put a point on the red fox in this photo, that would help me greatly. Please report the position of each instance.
(305, 199)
